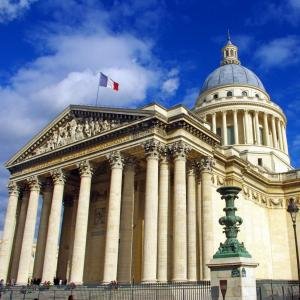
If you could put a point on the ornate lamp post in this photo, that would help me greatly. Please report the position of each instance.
(232, 247)
(293, 210)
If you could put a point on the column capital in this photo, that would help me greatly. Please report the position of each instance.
(224, 112)
(58, 176)
(206, 164)
(164, 155)
(13, 188)
(130, 162)
(179, 149)
(191, 168)
(85, 168)
(33, 183)
(116, 160)
(152, 148)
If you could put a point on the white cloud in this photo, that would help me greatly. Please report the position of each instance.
(279, 52)
(10, 10)
(170, 85)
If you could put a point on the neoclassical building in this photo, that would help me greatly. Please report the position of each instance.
(130, 194)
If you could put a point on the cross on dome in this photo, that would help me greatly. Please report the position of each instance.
(230, 53)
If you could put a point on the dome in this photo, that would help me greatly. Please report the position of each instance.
(231, 74)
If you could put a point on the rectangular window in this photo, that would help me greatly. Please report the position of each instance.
(260, 162)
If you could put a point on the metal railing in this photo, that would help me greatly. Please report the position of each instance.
(165, 291)
(277, 289)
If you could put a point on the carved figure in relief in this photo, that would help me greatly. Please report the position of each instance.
(87, 129)
(75, 130)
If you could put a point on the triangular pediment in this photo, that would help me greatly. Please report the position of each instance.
(74, 125)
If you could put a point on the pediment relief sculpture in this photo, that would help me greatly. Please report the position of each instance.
(73, 131)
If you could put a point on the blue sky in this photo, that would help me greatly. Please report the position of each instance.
(52, 51)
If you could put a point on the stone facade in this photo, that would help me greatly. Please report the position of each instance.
(135, 191)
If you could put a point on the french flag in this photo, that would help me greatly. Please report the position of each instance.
(108, 82)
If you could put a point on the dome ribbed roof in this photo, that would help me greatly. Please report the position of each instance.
(231, 74)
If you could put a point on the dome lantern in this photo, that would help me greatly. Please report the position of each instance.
(230, 53)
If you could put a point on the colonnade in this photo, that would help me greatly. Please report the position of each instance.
(274, 131)
(191, 209)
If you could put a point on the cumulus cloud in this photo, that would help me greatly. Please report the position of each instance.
(279, 52)
(10, 10)
(67, 72)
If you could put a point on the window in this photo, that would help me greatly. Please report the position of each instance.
(229, 94)
(219, 131)
(257, 96)
(261, 134)
(227, 53)
(244, 94)
(260, 162)
(230, 135)
(231, 52)
(215, 96)
(204, 100)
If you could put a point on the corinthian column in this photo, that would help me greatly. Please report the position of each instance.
(285, 139)
(50, 259)
(279, 134)
(163, 217)
(246, 127)
(236, 129)
(82, 214)
(28, 235)
(9, 229)
(42, 235)
(206, 165)
(257, 128)
(126, 225)
(224, 128)
(266, 130)
(179, 150)
(214, 123)
(19, 234)
(275, 144)
(113, 218)
(149, 263)
(191, 224)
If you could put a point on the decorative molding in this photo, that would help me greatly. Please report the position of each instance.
(58, 176)
(85, 168)
(13, 188)
(33, 183)
(206, 164)
(115, 159)
(152, 148)
(179, 149)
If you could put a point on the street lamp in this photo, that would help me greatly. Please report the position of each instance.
(293, 210)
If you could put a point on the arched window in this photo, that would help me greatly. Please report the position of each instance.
(229, 94)
(216, 96)
(244, 94)
(231, 52)
(227, 53)
(257, 96)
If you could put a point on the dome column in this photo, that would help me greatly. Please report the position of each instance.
(279, 134)
(235, 123)
(275, 144)
(214, 123)
(224, 127)
(284, 139)
(266, 130)
(258, 140)
(246, 127)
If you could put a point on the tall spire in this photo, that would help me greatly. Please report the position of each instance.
(230, 52)
(228, 37)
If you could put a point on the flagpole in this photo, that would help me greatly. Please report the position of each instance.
(97, 95)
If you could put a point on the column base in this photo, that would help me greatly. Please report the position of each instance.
(178, 280)
(236, 275)
(149, 281)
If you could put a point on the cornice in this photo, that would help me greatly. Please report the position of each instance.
(243, 105)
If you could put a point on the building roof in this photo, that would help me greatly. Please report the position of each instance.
(231, 74)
